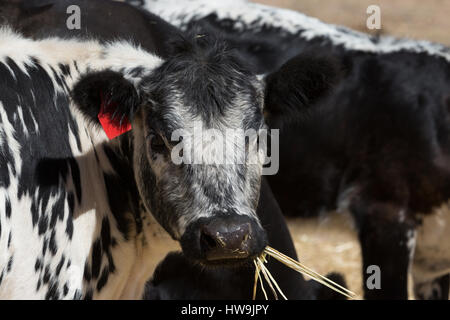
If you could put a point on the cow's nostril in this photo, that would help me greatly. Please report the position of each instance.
(223, 239)
(219, 240)
(207, 241)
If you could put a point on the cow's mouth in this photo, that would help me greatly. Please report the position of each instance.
(231, 263)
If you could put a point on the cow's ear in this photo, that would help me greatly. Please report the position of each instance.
(297, 85)
(107, 99)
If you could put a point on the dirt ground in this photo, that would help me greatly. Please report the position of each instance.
(330, 244)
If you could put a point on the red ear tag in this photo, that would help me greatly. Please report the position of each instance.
(111, 127)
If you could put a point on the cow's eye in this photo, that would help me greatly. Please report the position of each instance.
(157, 143)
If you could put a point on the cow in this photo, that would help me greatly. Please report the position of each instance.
(377, 146)
(48, 17)
(43, 17)
(81, 213)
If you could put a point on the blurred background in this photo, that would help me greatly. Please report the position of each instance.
(419, 19)
(330, 243)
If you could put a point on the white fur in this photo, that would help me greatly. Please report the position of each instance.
(90, 55)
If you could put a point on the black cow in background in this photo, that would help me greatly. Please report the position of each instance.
(378, 146)
(107, 20)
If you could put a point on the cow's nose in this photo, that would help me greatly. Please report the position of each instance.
(219, 240)
(224, 239)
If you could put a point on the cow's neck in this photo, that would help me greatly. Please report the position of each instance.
(139, 242)
(126, 243)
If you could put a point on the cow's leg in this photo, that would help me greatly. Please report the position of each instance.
(387, 239)
(437, 289)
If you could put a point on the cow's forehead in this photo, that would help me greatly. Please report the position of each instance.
(207, 83)
(179, 109)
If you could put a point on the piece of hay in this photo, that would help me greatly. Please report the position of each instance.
(261, 268)
(256, 282)
(295, 265)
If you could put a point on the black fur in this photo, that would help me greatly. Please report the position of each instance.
(297, 85)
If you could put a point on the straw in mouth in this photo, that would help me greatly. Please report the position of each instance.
(261, 268)
(293, 264)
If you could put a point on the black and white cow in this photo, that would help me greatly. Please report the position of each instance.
(378, 146)
(81, 214)
(42, 17)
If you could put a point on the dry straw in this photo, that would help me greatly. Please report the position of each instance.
(293, 264)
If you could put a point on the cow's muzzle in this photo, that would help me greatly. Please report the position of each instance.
(224, 239)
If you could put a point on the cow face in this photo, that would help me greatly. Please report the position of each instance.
(208, 203)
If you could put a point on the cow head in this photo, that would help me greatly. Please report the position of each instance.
(209, 207)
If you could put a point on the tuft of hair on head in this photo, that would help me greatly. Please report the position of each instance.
(299, 84)
(198, 43)
(209, 73)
